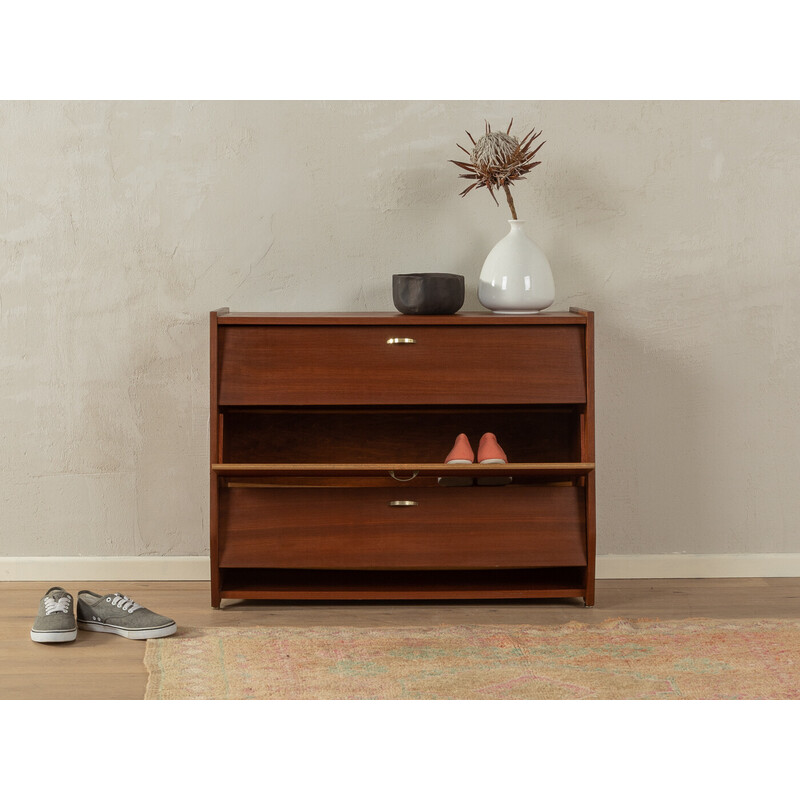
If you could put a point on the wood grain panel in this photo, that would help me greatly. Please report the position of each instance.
(459, 528)
(319, 365)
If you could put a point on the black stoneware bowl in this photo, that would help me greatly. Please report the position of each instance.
(428, 293)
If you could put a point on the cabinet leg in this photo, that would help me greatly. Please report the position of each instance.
(588, 595)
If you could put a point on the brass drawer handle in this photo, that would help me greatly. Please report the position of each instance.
(403, 503)
(404, 480)
(400, 340)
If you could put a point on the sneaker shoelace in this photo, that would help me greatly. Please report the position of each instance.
(52, 606)
(124, 602)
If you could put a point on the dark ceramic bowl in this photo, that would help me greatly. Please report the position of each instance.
(428, 293)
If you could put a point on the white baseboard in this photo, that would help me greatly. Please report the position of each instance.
(700, 565)
(76, 568)
(196, 568)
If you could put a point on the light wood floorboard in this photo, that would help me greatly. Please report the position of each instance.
(103, 666)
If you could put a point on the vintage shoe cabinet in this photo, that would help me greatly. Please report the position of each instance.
(328, 433)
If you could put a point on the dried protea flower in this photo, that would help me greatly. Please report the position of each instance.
(498, 159)
(494, 149)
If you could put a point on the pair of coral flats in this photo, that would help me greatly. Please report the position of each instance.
(489, 452)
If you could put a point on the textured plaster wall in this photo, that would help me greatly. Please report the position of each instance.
(123, 223)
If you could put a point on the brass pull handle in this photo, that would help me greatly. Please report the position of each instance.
(404, 480)
(403, 503)
(400, 340)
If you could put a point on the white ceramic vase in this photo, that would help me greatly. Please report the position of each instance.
(516, 277)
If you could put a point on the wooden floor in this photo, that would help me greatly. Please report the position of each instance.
(103, 666)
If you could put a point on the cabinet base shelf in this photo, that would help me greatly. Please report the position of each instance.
(291, 584)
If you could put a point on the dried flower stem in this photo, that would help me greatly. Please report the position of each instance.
(510, 201)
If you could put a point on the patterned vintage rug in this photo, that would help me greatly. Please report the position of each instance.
(618, 659)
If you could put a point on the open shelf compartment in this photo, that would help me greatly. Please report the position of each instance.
(395, 434)
(293, 584)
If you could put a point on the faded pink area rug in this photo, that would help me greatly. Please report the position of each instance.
(696, 659)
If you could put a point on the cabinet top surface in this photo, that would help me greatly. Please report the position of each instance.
(227, 317)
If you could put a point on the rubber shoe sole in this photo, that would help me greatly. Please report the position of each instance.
(456, 480)
(499, 481)
(129, 633)
(54, 636)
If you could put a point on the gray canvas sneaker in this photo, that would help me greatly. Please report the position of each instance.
(56, 620)
(117, 613)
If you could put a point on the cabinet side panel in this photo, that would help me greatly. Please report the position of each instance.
(214, 455)
(588, 454)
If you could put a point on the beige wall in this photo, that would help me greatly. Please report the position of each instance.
(123, 224)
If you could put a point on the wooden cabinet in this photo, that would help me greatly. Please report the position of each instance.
(328, 433)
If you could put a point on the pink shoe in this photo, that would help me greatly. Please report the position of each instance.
(490, 452)
(461, 453)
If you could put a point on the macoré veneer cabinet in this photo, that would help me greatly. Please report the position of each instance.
(328, 433)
